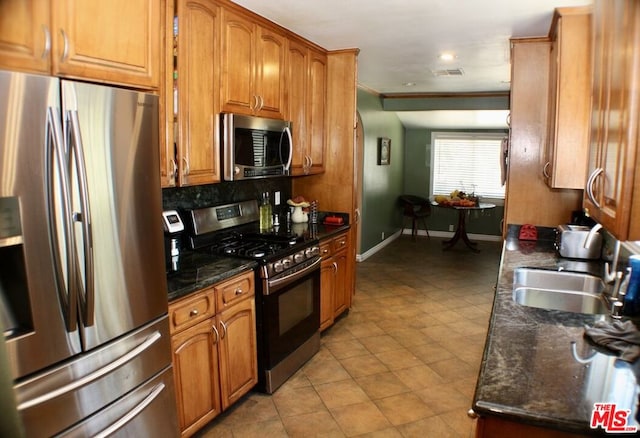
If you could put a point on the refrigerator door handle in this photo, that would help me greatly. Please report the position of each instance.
(91, 377)
(155, 392)
(56, 159)
(87, 290)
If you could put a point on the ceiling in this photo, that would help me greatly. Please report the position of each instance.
(400, 42)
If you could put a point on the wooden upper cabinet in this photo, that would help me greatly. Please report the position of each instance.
(25, 35)
(567, 147)
(253, 60)
(198, 146)
(612, 196)
(115, 42)
(306, 106)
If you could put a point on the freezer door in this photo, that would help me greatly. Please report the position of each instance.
(37, 304)
(54, 401)
(112, 138)
(148, 411)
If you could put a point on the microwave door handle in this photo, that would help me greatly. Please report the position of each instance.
(77, 148)
(287, 131)
(56, 157)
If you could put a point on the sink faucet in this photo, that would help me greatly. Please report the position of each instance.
(591, 235)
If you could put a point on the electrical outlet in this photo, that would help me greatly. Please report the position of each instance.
(382, 235)
(276, 198)
(450, 227)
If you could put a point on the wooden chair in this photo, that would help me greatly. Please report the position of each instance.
(415, 208)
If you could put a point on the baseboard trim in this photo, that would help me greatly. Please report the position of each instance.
(422, 233)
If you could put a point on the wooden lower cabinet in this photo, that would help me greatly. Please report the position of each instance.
(213, 341)
(494, 427)
(237, 348)
(196, 374)
(335, 292)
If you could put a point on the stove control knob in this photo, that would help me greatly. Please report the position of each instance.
(308, 253)
(286, 263)
(278, 266)
(298, 257)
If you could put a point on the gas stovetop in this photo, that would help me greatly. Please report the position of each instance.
(251, 244)
(233, 230)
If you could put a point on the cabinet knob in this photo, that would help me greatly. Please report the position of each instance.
(194, 312)
(239, 291)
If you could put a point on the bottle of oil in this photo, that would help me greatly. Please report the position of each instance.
(266, 216)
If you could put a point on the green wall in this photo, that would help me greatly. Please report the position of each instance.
(408, 173)
(381, 185)
(417, 180)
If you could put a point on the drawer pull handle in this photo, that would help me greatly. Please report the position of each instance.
(193, 313)
(239, 291)
(325, 251)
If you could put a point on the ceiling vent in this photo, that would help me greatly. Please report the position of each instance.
(448, 72)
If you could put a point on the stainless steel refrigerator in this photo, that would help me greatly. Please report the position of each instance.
(83, 299)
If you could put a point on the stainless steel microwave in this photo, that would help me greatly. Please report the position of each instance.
(255, 147)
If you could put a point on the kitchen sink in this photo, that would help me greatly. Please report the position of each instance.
(559, 290)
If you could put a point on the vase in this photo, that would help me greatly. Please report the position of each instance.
(298, 216)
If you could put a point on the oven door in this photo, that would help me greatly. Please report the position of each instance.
(289, 314)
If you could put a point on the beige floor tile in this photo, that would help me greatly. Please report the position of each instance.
(398, 359)
(317, 424)
(444, 398)
(360, 418)
(342, 393)
(403, 408)
(418, 377)
(428, 427)
(346, 348)
(266, 429)
(380, 344)
(291, 401)
(366, 365)
(325, 371)
(382, 385)
(454, 369)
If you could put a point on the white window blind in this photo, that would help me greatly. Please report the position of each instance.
(466, 161)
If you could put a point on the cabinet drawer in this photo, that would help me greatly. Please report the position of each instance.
(325, 249)
(340, 242)
(191, 310)
(235, 289)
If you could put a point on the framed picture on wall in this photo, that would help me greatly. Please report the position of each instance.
(384, 151)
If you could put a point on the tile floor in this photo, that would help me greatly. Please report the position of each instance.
(402, 363)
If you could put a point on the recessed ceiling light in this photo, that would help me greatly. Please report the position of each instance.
(447, 56)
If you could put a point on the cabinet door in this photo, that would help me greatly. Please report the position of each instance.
(25, 35)
(270, 71)
(116, 41)
(317, 105)
(609, 195)
(297, 79)
(327, 286)
(342, 285)
(238, 63)
(569, 99)
(198, 84)
(238, 351)
(195, 370)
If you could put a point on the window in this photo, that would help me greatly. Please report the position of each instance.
(467, 161)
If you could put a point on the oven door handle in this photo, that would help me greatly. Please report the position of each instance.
(293, 277)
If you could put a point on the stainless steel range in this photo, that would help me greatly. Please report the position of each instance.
(287, 283)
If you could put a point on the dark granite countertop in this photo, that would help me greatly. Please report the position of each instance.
(537, 367)
(197, 271)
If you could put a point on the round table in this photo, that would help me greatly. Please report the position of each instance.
(461, 227)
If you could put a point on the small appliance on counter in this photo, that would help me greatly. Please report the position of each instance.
(571, 242)
(173, 228)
